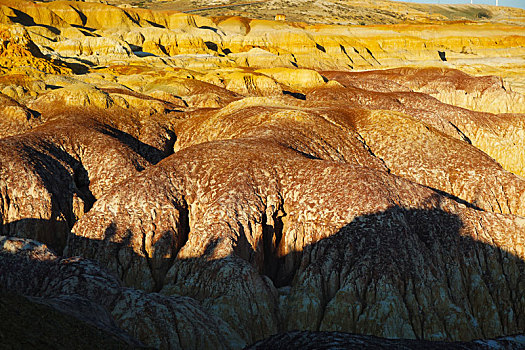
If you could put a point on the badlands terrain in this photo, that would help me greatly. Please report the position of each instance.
(350, 174)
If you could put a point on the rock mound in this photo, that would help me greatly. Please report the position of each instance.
(329, 263)
(79, 291)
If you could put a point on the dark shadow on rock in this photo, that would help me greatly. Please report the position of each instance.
(151, 154)
(53, 232)
(28, 21)
(211, 46)
(144, 54)
(209, 28)
(402, 247)
(32, 323)
(63, 177)
(305, 340)
(49, 163)
(297, 95)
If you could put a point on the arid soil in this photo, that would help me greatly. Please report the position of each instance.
(176, 181)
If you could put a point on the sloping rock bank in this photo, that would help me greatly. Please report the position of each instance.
(338, 340)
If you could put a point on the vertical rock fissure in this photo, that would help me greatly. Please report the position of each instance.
(273, 263)
(361, 139)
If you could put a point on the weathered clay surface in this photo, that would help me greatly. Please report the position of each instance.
(53, 175)
(497, 135)
(338, 340)
(208, 182)
(16, 118)
(311, 235)
(81, 289)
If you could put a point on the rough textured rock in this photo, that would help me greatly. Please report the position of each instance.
(486, 94)
(238, 177)
(17, 49)
(53, 175)
(497, 135)
(15, 118)
(398, 143)
(334, 259)
(338, 340)
(32, 324)
(83, 291)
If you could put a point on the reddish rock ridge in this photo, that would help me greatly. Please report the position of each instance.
(390, 141)
(351, 248)
(52, 175)
(498, 135)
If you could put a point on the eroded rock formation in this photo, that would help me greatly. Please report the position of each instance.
(338, 340)
(81, 289)
(211, 182)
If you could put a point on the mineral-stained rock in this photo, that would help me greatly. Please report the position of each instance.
(83, 291)
(90, 46)
(486, 94)
(51, 176)
(362, 250)
(252, 84)
(17, 49)
(246, 182)
(398, 143)
(497, 135)
(297, 79)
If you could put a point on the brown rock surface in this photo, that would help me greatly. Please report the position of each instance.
(242, 178)
(15, 118)
(497, 135)
(271, 217)
(82, 290)
(51, 176)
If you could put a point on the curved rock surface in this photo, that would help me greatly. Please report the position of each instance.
(215, 213)
(53, 175)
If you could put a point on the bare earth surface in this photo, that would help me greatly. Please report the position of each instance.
(342, 177)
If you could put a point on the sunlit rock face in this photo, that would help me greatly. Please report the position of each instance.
(177, 181)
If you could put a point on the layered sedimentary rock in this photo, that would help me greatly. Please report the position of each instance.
(17, 49)
(97, 33)
(211, 182)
